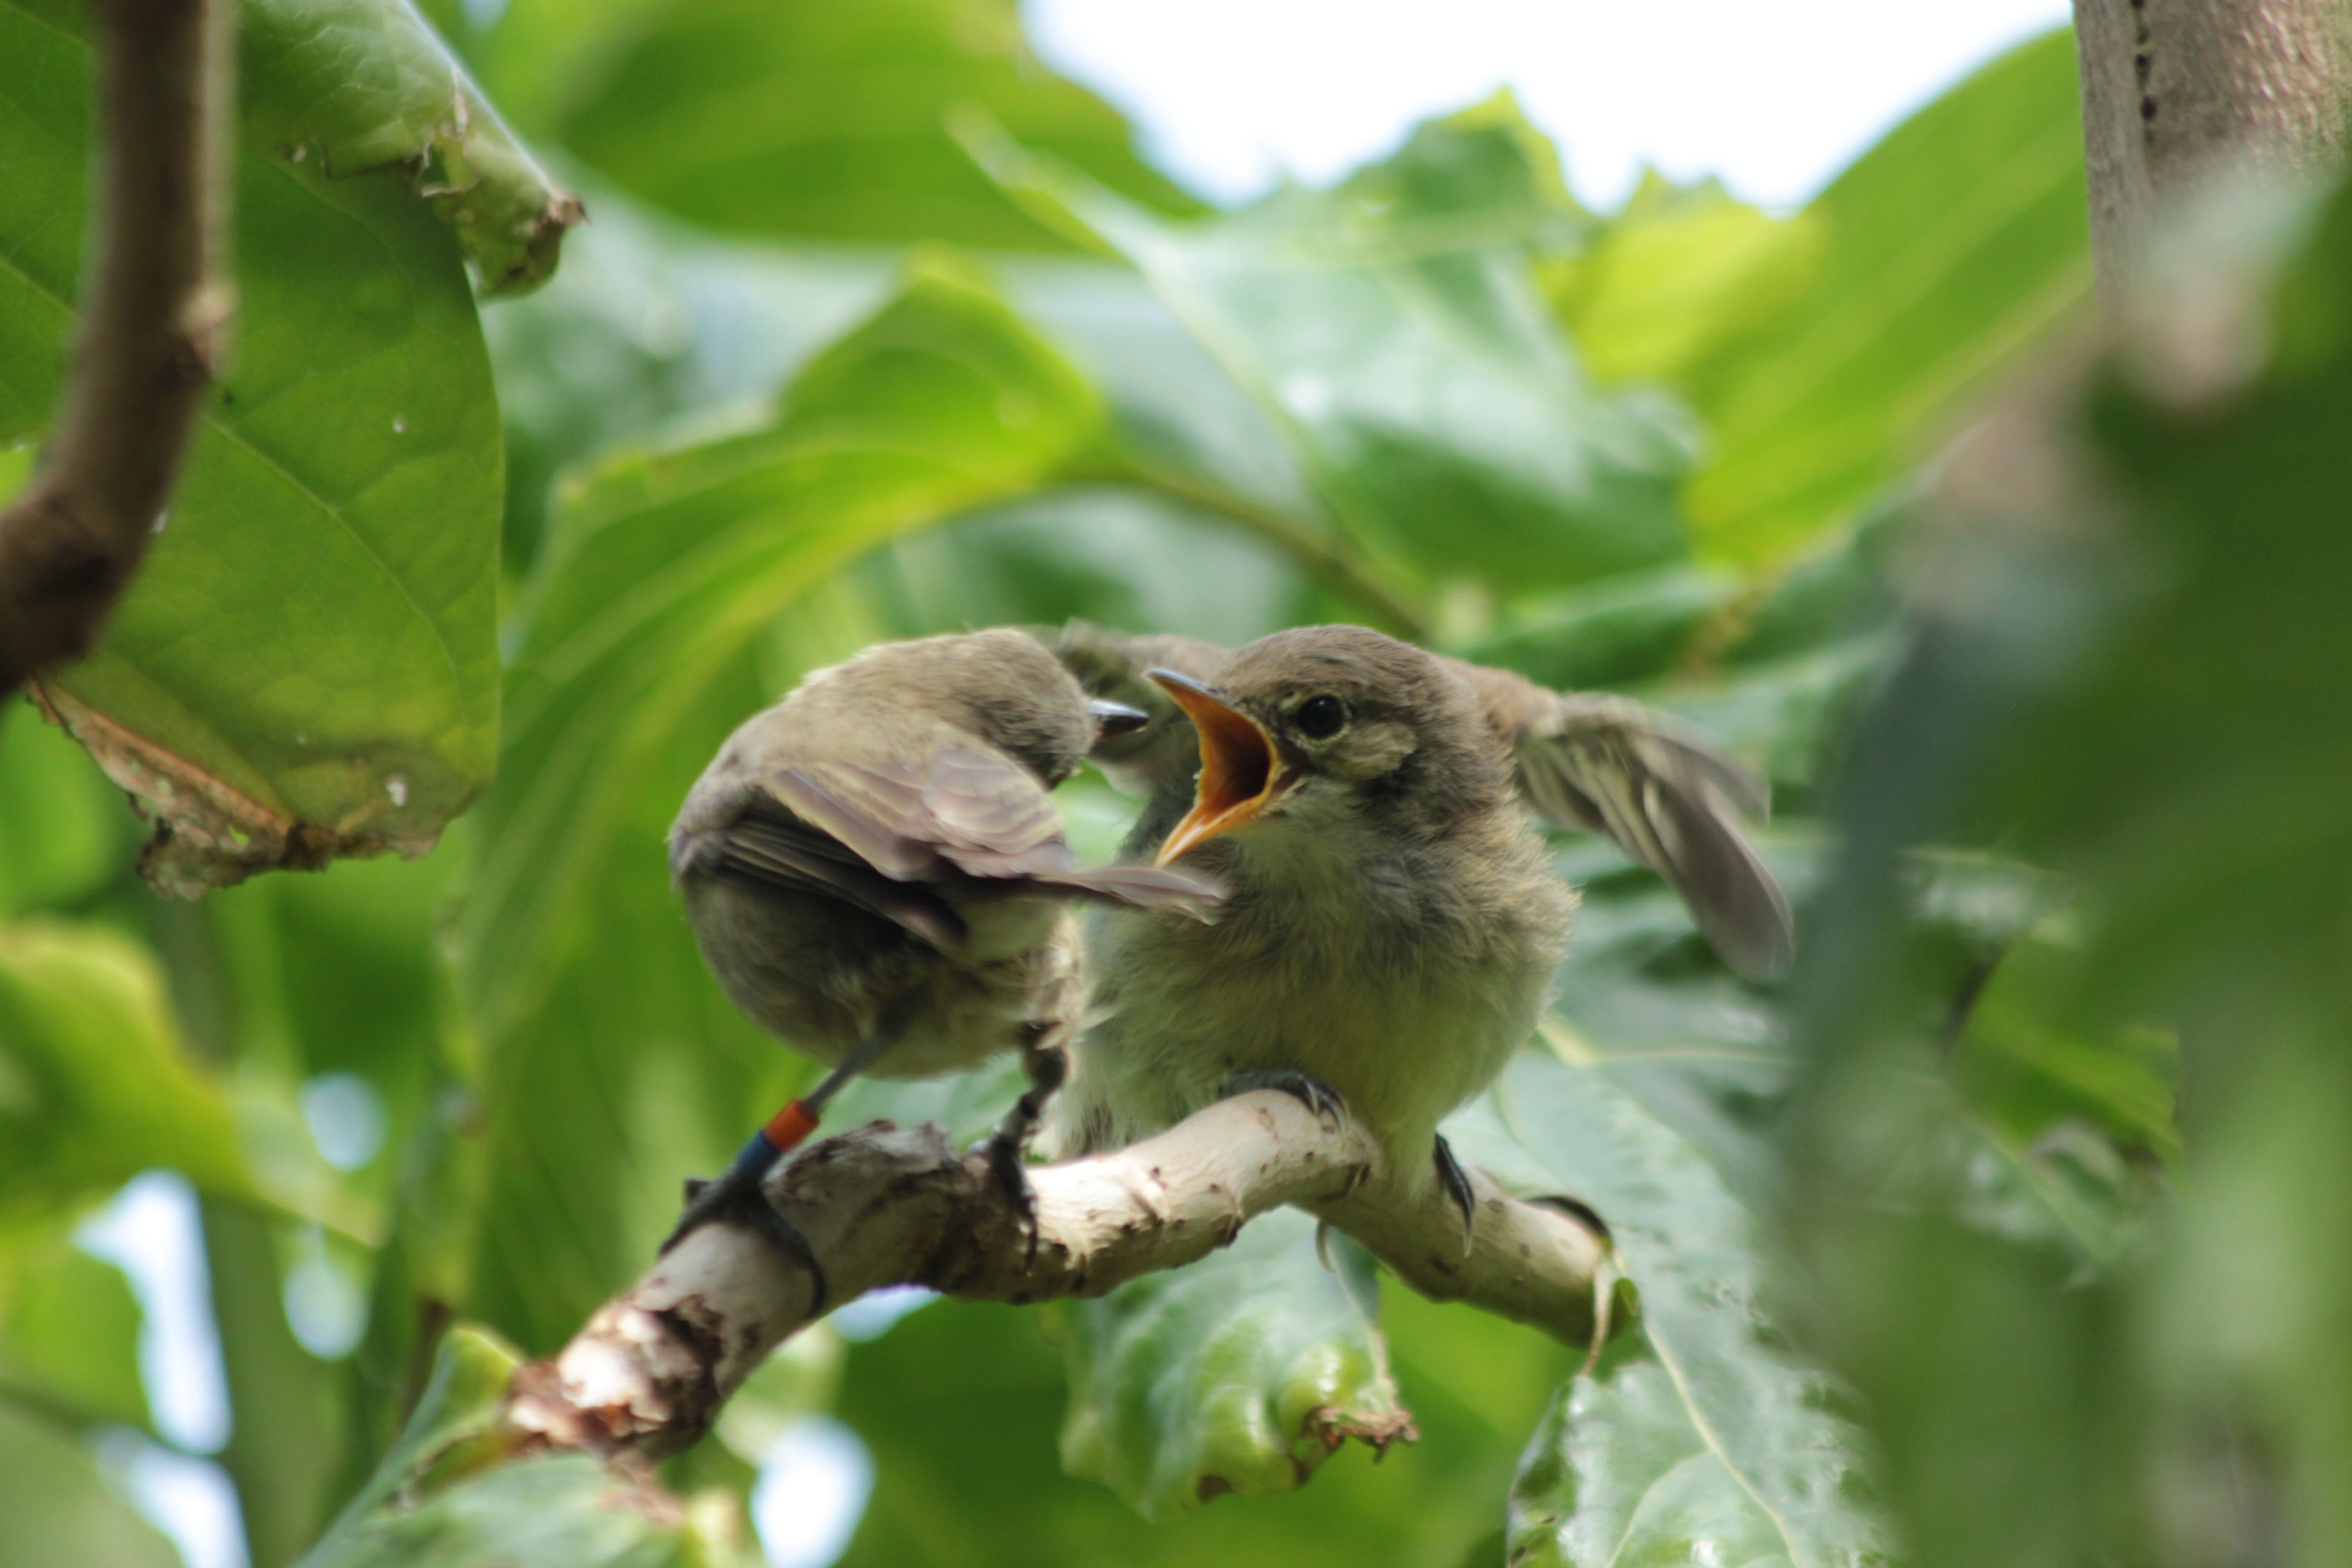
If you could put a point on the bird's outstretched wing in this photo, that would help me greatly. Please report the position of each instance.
(1607, 765)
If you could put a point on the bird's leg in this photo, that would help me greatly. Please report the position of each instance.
(1326, 1102)
(1008, 1146)
(1456, 1182)
(736, 1194)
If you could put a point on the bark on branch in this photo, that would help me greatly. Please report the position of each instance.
(152, 318)
(887, 1205)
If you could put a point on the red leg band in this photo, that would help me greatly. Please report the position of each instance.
(790, 1127)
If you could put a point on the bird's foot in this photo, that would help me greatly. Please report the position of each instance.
(1008, 1163)
(737, 1195)
(1455, 1180)
(1008, 1146)
(1328, 1103)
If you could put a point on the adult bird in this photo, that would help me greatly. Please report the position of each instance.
(1392, 918)
(875, 875)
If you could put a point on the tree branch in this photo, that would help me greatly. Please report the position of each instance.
(889, 1205)
(152, 323)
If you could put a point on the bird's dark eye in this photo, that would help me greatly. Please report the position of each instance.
(1320, 718)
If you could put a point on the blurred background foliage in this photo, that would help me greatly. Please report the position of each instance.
(881, 329)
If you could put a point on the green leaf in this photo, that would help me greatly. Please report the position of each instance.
(1392, 330)
(94, 1086)
(1948, 250)
(305, 666)
(1683, 276)
(650, 320)
(1619, 1472)
(444, 1496)
(652, 327)
(369, 86)
(1239, 1373)
(63, 833)
(69, 1334)
(59, 1508)
(564, 1511)
(808, 120)
(1713, 1443)
(664, 579)
(1624, 629)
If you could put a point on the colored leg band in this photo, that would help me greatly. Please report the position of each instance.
(789, 1128)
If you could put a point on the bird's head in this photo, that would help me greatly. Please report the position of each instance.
(1000, 686)
(1323, 727)
(1159, 752)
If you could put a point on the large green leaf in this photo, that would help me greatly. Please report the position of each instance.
(1679, 279)
(1240, 1373)
(648, 321)
(960, 1405)
(94, 1084)
(371, 88)
(63, 832)
(1710, 1442)
(794, 118)
(665, 578)
(1950, 248)
(306, 665)
(59, 1507)
(652, 326)
(1391, 328)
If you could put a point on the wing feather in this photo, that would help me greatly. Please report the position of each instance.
(1606, 765)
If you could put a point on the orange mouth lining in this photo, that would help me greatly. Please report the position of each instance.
(1240, 772)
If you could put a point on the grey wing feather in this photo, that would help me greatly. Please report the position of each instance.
(991, 817)
(798, 859)
(1145, 888)
(974, 825)
(1606, 765)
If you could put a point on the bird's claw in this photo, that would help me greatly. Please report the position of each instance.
(737, 1196)
(1455, 1180)
(1328, 1103)
(1010, 1165)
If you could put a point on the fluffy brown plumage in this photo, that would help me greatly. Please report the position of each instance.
(881, 842)
(1392, 920)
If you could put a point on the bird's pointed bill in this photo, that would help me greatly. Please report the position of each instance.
(1240, 772)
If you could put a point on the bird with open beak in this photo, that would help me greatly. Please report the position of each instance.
(1392, 918)
(1585, 761)
(875, 875)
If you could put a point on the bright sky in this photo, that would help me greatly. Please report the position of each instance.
(1231, 95)
(1775, 96)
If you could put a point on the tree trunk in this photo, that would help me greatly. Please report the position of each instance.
(2175, 89)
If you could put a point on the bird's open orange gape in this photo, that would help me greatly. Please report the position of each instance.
(1242, 774)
